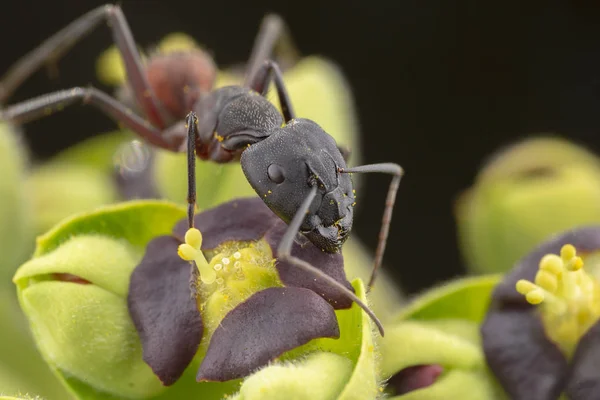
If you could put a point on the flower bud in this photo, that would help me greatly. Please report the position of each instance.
(73, 292)
(525, 193)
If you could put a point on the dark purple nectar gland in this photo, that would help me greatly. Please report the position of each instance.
(414, 378)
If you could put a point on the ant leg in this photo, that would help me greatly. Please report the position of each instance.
(46, 104)
(284, 254)
(191, 123)
(58, 44)
(261, 85)
(272, 35)
(397, 172)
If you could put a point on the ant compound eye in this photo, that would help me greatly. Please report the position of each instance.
(275, 173)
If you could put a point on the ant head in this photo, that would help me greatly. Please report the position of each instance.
(282, 169)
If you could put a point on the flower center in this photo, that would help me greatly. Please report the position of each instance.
(568, 297)
(235, 272)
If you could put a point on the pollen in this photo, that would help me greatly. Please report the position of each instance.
(568, 298)
(190, 251)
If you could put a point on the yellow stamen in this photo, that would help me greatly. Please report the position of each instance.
(190, 251)
(568, 298)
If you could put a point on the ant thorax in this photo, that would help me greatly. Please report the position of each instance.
(232, 118)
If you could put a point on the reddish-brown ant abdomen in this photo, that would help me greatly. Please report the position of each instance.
(177, 79)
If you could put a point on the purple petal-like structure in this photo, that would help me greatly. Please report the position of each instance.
(517, 349)
(330, 263)
(583, 382)
(245, 219)
(263, 327)
(258, 330)
(164, 310)
(525, 362)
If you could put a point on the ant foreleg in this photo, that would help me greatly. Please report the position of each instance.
(261, 85)
(397, 172)
(284, 251)
(272, 35)
(58, 44)
(46, 104)
(191, 123)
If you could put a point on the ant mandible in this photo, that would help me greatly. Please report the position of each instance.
(292, 163)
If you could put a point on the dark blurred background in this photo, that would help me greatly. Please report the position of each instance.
(438, 84)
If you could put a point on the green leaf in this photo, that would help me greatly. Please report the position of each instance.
(466, 298)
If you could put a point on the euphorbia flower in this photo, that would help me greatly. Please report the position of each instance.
(245, 310)
(541, 336)
(74, 292)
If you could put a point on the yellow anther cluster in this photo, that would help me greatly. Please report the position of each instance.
(190, 251)
(235, 271)
(569, 298)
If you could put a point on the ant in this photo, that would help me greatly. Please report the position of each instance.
(292, 163)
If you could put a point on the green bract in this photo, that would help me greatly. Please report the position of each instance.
(74, 293)
(432, 349)
(525, 193)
